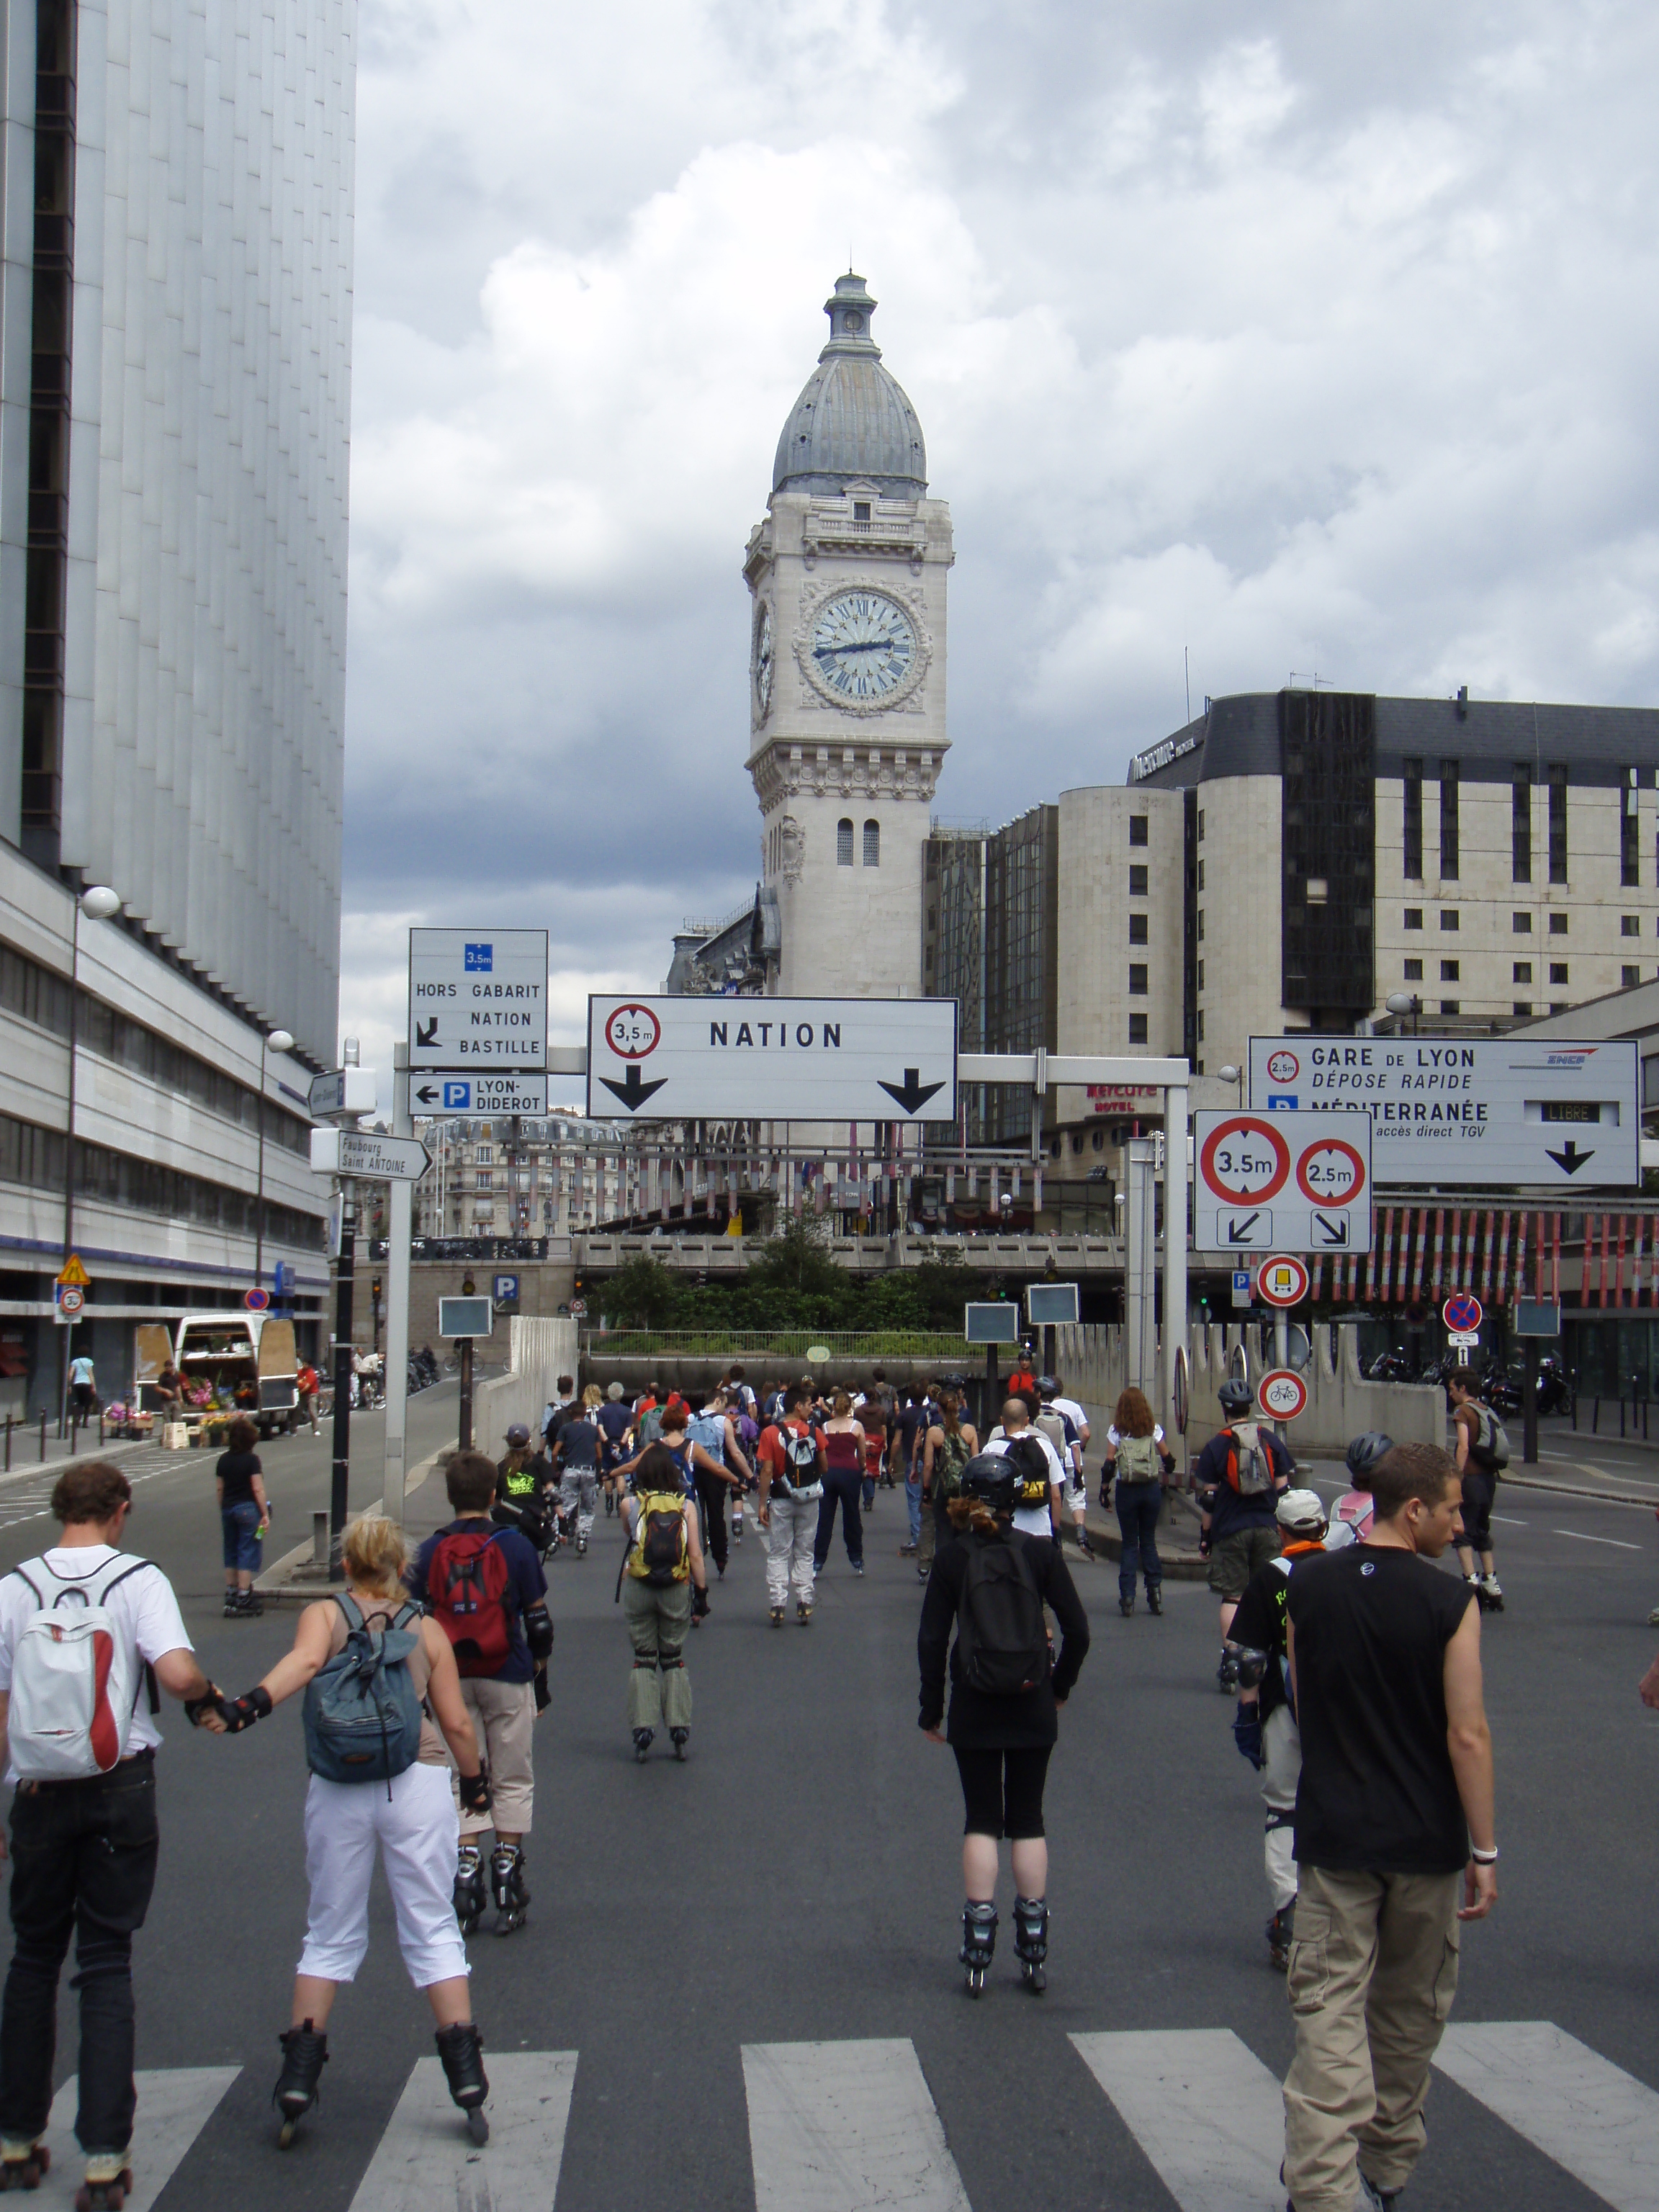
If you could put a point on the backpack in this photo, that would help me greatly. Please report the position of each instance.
(1002, 1646)
(77, 1675)
(1136, 1459)
(363, 1718)
(947, 1468)
(1032, 1472)
(660, 1553)
(708, 1430)
(1250, 1468)
(800, 1476)
(1053, 1426)
(469, 1588)
(647, 1428)
(1489, 1447)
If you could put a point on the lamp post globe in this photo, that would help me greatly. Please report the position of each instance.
(279, 1040)
(1399, 1002)
(1228, 1074)
(100, 903)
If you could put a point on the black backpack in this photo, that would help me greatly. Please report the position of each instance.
(1002, 1643)
(1032, 1472)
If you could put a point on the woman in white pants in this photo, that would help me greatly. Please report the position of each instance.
(411, 1819)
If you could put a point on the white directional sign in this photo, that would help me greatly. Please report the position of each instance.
(776, 1060)
(359, 1152)
(1282, 1181)
(439, 1094)
(343, 1090)
(477, 1000)
(1490, 1112)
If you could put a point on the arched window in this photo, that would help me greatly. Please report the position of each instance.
(843, 843)
(872, 844)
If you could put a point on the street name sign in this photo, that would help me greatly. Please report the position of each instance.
(773, 1060)
(996, 1323)
(466, 1317)
(1282, 1393)
(478, 1001)
(1049, 1304)
(1282, 1280)
(359, 1152)
(1503, 1113)
(347, 1090)
(436, 1096)
(1282, 1181)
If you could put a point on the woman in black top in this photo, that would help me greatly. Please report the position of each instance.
(244, 1511)
(1002, 1741)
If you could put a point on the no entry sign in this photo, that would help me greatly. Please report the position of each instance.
(1282, 1393)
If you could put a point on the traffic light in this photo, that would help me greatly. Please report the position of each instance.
(374, 1290)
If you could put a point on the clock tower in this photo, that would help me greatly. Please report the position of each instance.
(847, 575)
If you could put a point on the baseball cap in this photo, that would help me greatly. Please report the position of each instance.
(1299, 1508)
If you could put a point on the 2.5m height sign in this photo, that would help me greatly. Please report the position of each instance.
(1282, 1181)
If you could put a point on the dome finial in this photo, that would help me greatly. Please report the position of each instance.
(849, 309)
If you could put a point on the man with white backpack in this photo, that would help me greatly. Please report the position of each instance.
(86, 1633)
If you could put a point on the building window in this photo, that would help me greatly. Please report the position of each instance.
(1097, 1140)
(1629, 827)
(483, 1179)
(1137, 929)
(1137, 979)
(1448, 917)
(1520, 924)
(1138, 881)
(1520, 823)
(1522, 971)
(1412, 853)
(1559, 924)
(1201, 924)
(1200, 974)
(1414, 971)
(843, 843)
(1139, 828)
(872, 844)
(1137, 1029)
(1558, 971)
(1451, 1006)
(1558, 1005)
(1557, 777)
(1626, 977)
(1524, 1005)
(1200, 826)
(1413, 917)
(860, 510)
(1630, 925)
(1200, 875)
(1448, 972)
(1200, 1026)
(484, 1156)
(1448, 820)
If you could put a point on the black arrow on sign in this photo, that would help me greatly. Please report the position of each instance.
(426, 1094)
(632, 1092)
(1237, 1230)
(1333, 1228)
(912, 1092)
(426, 1035)
(1570, 1159)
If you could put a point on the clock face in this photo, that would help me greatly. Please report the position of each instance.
(863, 646)
(764, 660)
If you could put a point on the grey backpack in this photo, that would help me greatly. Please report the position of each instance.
(362, 1715)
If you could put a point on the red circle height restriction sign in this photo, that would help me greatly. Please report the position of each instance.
(1331, 1173)
(1245, 1160)
(631, 1031)
(1461, 1311)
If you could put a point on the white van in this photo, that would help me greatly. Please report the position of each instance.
(248, 1357)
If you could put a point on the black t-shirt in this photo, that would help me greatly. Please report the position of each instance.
(1231, 1510)
(914, 1421)
(236, 1470)
(1378, 1794)
(578, 1446)
(615, 1421)
(1261, 1622)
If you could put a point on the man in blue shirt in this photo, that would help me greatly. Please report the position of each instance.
(1239, 1477)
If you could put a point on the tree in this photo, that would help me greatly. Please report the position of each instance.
(643, 1294)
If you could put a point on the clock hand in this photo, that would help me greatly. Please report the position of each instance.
(870, 645)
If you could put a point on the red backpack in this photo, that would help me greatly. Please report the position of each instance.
(470, 1594)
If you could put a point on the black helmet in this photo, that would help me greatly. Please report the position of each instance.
(1235, 1396)
(1363, 1453)
(989, 1480)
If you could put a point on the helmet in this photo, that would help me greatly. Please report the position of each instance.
(1237, 1397)
(989, 1479)
(516, 1437)
(1301, 1509)
(1363, 1453)
(1046, 1387)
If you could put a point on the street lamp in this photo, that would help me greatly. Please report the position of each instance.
(278, 1041)
(99, 903)
(1230, 1074)
(1406, 1002)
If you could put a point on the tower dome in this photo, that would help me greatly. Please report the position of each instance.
(853, 421)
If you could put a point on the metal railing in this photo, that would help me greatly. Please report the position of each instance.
(856, 1347)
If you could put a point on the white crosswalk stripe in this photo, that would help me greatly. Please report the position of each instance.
(1590, 2117)
(426, 2162)
(1203, 2107)
(175, 2104)
(840, 2127)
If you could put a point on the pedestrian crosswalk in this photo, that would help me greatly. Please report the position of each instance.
(853, 2125)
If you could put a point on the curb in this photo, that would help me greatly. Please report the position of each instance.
(280, 1584)
(1650, 1500)
(79, 1459)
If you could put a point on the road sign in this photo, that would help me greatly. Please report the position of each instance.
(1538, 1317)
(345, 1091)
(70, 1299)
(73, 1275)
(1461, 1311)
(1282, 1181)
(1463, 1338)
(1282, 1280)
(1242, 1286)
(1046, 1304)
(256, 1301)
(1282, 1393)
(359, 1152)
(466, 1317)
(438, 1094)
(1182, 1390)
(843, 1060)
(505, 1290)
(997, 1323)
(477, 1000)
(1489, 1112)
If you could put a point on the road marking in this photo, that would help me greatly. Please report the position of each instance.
(1507, 1523)
(1575, 2106)
(175, 2104)
(426, 2156)
(1579, 1537)
(1203, 2107)
(840, 2127)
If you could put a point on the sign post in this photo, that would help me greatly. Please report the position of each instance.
(1281, 1284)
(340, 1482)
(399, 1214)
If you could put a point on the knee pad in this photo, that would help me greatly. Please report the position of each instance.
(1279, 1816)
(669, 1666)
(645, 1664)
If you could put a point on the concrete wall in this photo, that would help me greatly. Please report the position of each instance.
(540, 1350)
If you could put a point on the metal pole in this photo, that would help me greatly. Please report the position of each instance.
(259, 1203)
(466, 1394)
(1175, 1235)
(1281, 1352)
(69, 1147)
(399, 1219)
(337, 1514)
(1529, 1405)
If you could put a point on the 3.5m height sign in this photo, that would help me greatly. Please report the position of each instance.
(1282, 1181)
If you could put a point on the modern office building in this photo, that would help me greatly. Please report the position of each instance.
(990, 940)
(175, 307)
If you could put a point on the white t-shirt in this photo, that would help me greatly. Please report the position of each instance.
(1035, 1520)
(1114, 1440)
(1074, 1413)
(143, 1605)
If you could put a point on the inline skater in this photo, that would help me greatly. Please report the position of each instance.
(1041, 1478)
(615, 1421)
(742, 1414)
(702, 1476)
(875, 1410)
(1351, 1515)
(791, 1466)
(576, 1459)
(1238, 1477)
(524, 1485)
(484, 1587)
(1061, 1432)
(946, 1450)
(666, 1588)
(1264, 1726)
(842, 1439)
(1075, 1414)
(1483, 1453)
(564, 1408)
(715, 1433)
(992, 1582)
(904, 1459)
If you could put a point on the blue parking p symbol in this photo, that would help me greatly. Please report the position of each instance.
(457, 1096)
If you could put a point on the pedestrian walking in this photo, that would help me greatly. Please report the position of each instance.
(1061, 1432)
(1138, 1469)
(792, 1467)
(843, 1442)
(89, 1625)
(875, 1408)
(1483, 1453)
(662, 1583)
(1394, 1821)
(614, 1422)
(244, 1517)
(576, 1461)
(1041, 1476)
(990, 1584)
(484, 1587)
(947, 1448)
(715, 1433)
(1237, 1479)
(904, 1459)
(169, 1387)
(372, 1669)
(305, 1386)
(702, 1478)
(83, 1386)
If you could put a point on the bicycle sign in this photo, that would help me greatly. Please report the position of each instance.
(1282, 1393)
(1283, 1181)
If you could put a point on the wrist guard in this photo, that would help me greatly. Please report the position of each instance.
(1246, 1735)
(538, 1633)
(475, 1791)
(211, 1700)
(699, 1605)
(243, 1712)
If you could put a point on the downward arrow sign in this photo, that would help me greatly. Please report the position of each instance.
(631, 1091)
(912, 1092)
(1570, 1159)
(426, 1035)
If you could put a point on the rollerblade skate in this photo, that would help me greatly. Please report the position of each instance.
(803, 1614)
(233, 1610)
(461, 2050)
(109, 2177)
(777, 1616)
(507, 1883)
(1125, 1606)
(979, 1943)
(581, 1544)
(1491, 1596)
(643, 1739)
(1281, 1929)
(305, 2054)
(1031, 1942)
(1154, 1597)
(22, 2163)
(677, 1737)
(469, 1896)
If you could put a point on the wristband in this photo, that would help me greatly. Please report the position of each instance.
(243, 1712)
(1484, 1858)
(475, 1790)
(212, 1699)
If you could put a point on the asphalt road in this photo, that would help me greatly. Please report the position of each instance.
(797, 1880)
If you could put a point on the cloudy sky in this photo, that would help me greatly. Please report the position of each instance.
(1315, 336)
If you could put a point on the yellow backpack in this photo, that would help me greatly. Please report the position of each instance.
(660, 1553)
